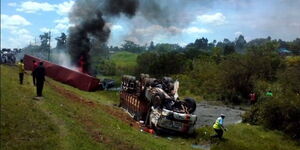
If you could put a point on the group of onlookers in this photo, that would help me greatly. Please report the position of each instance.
(38, 75)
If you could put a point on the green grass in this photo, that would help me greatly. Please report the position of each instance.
(23, 125)
(60, 123)
(125, 62)
(124, 59)
(247, 137)
(56, 122)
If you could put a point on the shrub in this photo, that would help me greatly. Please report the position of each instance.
(106, 67)
(281, 112)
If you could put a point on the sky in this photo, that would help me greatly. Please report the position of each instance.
(176, 21)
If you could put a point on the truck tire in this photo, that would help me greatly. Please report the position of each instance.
(191, 104)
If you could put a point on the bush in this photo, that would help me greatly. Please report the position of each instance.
(281, 112)
(161, 64)
(106, 67)
(290, 77)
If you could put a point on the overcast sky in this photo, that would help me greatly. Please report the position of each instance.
(181, 21)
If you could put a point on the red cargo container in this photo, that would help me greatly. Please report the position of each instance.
(74, 78)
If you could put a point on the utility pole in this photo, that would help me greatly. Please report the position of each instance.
(49, 45)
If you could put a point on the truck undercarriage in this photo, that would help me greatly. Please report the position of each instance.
(156, 103)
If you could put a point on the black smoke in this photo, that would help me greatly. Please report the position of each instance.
(88, 17)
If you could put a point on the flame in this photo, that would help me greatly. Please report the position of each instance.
(82, 65)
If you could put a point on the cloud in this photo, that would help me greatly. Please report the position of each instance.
(238, 33)
(18, 38)
(215, 19)
(44, 29)
(64, 20)
(151, 33)
(193, 30)
(64, 8)
(13, 4)
(33, 7)
(116, 27)
(59, 28)
(13, 21)
(62, 25)
(158, 29)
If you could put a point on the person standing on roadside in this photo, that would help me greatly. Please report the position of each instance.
(35, 65)
(40, 73)
(21, 71)
(252, 96)
(269, 93)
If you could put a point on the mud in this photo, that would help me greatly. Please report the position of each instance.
(207, 114)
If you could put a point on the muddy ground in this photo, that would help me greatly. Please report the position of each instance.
(208, 113)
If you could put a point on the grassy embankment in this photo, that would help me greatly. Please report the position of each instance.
(58, 122)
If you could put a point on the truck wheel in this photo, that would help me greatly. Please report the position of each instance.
(191, 104)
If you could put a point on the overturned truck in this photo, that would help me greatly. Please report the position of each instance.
(59, 73)
(156, 102)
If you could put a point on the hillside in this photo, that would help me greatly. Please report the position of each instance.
(125, 61)
(68, 118)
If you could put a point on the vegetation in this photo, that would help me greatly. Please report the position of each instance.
(125, 62)
(245, 136)
(61, 122)
(226, 71)
(282, 111)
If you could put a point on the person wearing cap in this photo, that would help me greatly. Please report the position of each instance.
(218, 127)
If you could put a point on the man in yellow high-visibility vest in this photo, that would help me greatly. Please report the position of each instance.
(21, 71)
(218, 127)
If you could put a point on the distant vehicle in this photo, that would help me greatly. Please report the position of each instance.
(156, 102)
(108, 83)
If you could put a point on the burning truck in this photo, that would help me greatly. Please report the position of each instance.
(59, 73)
(156, 102)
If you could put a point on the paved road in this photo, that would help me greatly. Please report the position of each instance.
(207, 114)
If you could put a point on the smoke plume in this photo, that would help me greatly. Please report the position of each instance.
(88, 17)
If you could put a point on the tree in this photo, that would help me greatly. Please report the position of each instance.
(259, 41)
(161, 64)
(240, 44)
(290, 77)
(132, 47)
(201, 43)
(106, 67)
(229, 49)
(295, 46)
(239, 72)
(165, 47)
(151, 46)
(61, 41)
(45, 41)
